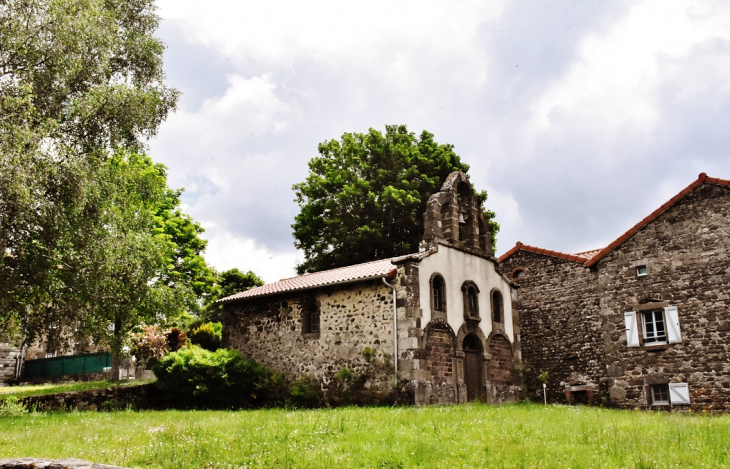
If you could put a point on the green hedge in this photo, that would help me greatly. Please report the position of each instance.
(194, 377)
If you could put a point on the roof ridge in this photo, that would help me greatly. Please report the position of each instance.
(547, 252)
(702, 178)
(337, 268)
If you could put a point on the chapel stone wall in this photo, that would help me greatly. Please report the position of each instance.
(353, 317)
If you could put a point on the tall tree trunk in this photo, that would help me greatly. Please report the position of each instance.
(117, 349)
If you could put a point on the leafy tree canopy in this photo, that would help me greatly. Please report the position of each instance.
(229, 283)
(85, 235)
(365, 196)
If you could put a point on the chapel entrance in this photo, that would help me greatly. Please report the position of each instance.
(473, 364)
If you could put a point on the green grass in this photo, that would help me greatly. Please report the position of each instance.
(55, 388)
(522, 435)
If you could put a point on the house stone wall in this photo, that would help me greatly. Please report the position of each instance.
(560, 323)
(686, 253)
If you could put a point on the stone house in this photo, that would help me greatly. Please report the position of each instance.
(442, 318)
(641, 323)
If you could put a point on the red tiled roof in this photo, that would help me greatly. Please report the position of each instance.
(588, 254)
(703, 178)
(353, 273)
(580, 257)
(590, 258)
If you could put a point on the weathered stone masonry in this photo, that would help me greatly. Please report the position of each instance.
(352, 318)
(577, 310)
(560, 324)
(451, 347)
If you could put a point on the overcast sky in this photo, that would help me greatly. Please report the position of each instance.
(578, 118)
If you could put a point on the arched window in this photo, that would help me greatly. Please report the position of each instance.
(497, 307)
(438, 293)
(471, 300)
(519, 272)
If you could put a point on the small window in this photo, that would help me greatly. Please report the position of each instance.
(471, 300)
(659, 394)
(497, 307)
(519, 272)
(438, 294)
(640, 271)
(654, 327)
(310, 318)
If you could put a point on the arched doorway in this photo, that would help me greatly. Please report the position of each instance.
(473, 360)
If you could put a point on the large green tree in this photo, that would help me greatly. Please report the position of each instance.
(229, 283)
(81, 89)
(365, 196)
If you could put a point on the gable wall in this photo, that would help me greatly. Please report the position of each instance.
(560, 324)
(457, 267)
(686, 253)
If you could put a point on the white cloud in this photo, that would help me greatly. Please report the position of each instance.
(558, 107)
(227, 251)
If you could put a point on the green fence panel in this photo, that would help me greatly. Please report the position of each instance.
(63, 366)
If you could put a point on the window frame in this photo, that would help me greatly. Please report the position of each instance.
(657, 391)
(438, 295)
(501, 306)
(311, 318)
(470, 291)
(657, 317)
(657, 313)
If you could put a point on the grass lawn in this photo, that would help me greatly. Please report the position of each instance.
(520, 435)
(55, 388)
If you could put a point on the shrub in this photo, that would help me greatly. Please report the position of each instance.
(176, 339)
(306, 392)
(208, 336)
(11, 407)
(196, 377)
(148, 346)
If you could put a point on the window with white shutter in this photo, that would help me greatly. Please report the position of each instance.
(678, 393)
(632, 331)
(674, 334)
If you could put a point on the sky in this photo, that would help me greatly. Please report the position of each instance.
(578, 118)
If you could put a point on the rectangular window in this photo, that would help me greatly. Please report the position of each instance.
(659, 394)
(653, 324)
(641, 271)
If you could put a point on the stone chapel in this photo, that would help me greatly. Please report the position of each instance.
(441, 319)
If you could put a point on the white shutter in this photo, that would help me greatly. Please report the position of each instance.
(678, 393)
(674, 334)
(632, 332)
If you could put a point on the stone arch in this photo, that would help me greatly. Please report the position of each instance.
(470, 296)
(466, 329)
(501, 365)
(473, 367)
(439, 346)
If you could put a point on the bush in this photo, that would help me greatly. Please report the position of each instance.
(148, 346)
(196, 377)
(11, 407)
(306, 392)
(208, 336)
(176, 339)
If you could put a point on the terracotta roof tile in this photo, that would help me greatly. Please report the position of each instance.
(580, 257)
(353, 273)
(592, 257)
(588, 254)
(703, 178)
